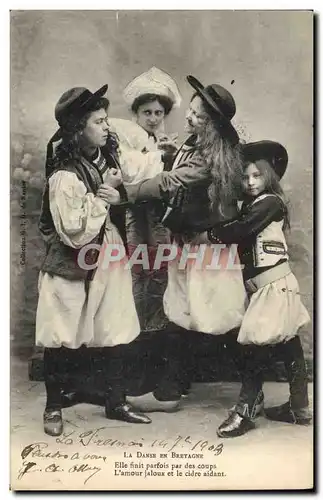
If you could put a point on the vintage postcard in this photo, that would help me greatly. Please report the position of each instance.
(161, 250)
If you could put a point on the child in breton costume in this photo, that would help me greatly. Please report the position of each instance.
(275, 312)
(81, 302)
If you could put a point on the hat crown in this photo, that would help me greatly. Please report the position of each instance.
(272, 151)
(223, 99)
(76, 96)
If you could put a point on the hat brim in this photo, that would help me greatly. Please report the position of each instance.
(271, 151)
(83, 108)
(95, 96)
(225, 126)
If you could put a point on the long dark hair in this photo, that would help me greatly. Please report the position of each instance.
(70, 145)
(273, 186)
(225, 162)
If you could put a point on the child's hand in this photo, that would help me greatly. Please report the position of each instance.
(108, 194)
(113, 177)
(168, 144)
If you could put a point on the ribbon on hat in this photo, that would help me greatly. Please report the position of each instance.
(50, 153)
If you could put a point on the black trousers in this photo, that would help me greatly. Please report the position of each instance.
(177, 347)
(106, 364)
(251, 361)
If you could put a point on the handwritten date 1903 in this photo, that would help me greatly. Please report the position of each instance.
(95, 437)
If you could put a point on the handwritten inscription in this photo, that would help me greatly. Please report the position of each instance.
(39, 450)
(28, 467)
(93, 437)
(86, 462)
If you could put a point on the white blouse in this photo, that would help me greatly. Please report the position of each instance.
(66, 314)
(139, 157)
(77, 215)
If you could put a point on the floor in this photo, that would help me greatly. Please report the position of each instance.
(177, 451)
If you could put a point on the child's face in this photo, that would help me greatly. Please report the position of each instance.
(196, 117)
(253, 181)
(96, 130)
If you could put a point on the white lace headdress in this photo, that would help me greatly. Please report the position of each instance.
(153, 81)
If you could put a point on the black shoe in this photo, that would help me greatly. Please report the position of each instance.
(258, 407)
(53, 422)
(126, 413)
(284, 413)
(235, 425)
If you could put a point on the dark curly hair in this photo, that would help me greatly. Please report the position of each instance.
(164, 101)
(69, 147)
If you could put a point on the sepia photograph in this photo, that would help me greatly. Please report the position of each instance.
(161, 250)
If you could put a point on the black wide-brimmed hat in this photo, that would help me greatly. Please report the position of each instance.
(272, 151)
(222, 105)
(74, 103)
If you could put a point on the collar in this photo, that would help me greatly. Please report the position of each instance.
(190, 143)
